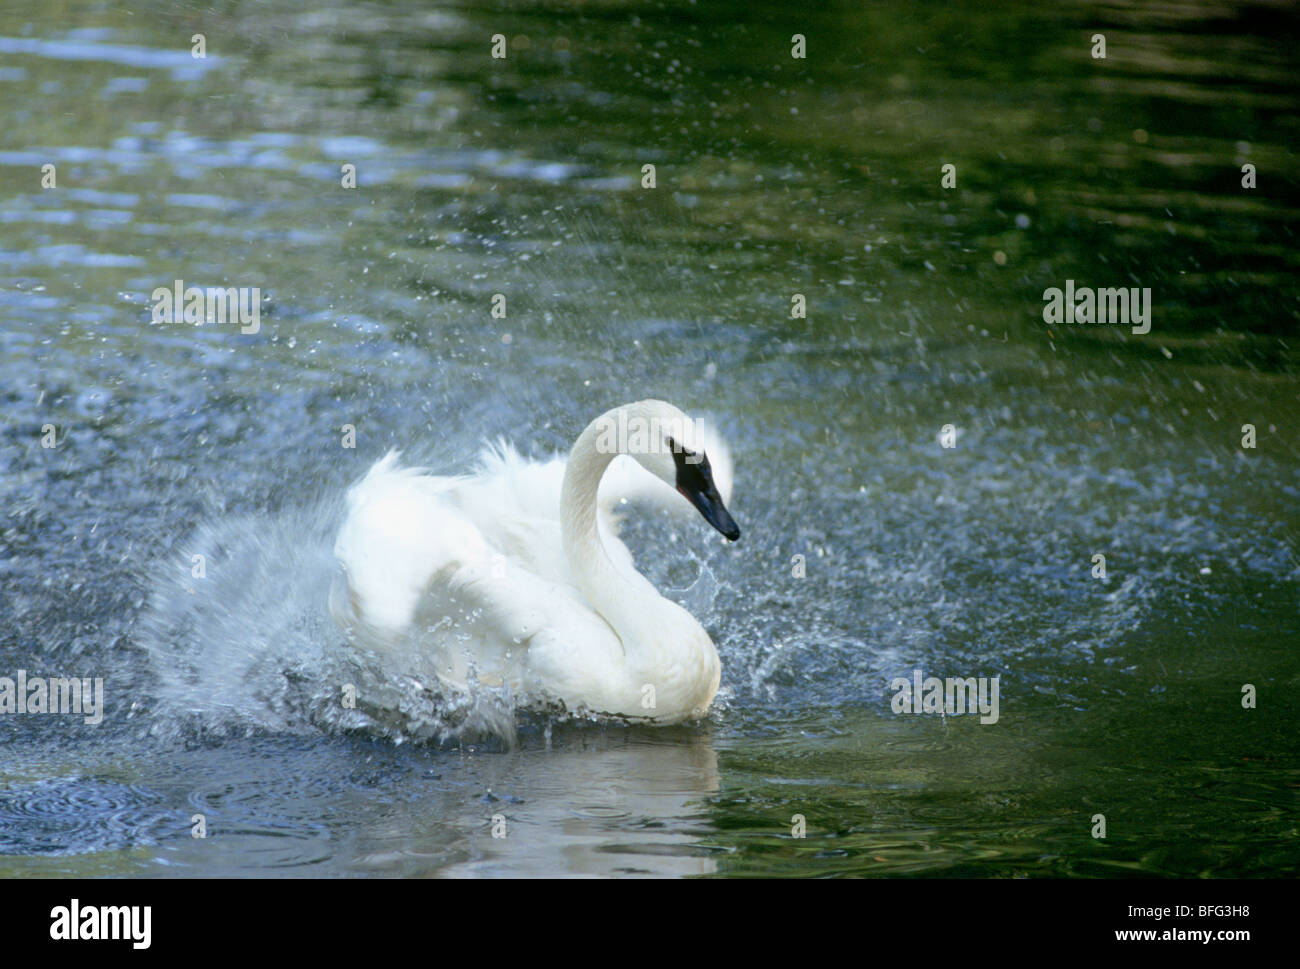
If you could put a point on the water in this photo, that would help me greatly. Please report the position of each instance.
(1119, 696)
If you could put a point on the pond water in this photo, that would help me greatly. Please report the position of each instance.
(820, 176)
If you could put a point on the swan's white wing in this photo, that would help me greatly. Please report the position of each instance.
(400, 532)
(538, 636)
(515, 503)
(445, 564)
(404, 528)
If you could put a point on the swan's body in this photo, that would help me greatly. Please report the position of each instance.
(515, 575)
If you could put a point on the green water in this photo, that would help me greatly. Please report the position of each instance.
(820, 176)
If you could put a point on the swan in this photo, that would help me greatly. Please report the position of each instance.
(515, 576)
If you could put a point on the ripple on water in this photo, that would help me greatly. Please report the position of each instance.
(78, 815)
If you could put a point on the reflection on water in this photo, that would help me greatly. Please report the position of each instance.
(775, 176)
(609, 805)
(590, 802)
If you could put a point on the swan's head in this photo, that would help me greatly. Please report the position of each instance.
(671, 446)
(693, 479)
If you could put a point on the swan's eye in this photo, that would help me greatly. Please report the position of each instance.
(693, 471)
(684, 455)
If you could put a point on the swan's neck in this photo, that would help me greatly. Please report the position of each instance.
(627, 600)
(663, 645)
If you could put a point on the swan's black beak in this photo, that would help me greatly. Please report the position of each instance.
(695, 482)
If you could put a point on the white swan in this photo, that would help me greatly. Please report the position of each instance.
(515, 575)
